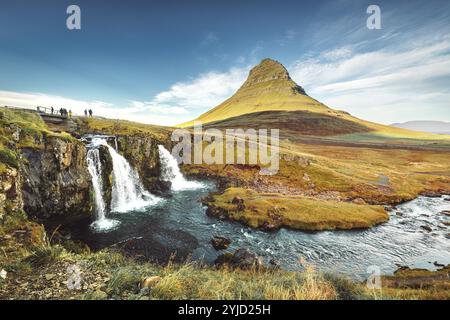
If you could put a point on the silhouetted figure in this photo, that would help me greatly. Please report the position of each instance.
(85, 112)
(52, 110)
(90, 113)
(61, 111)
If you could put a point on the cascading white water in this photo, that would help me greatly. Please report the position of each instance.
(95, 170)
(171, 172)
(127, 193)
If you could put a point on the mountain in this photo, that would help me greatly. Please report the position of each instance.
(439, 127)
(269, 98)
(268, 87)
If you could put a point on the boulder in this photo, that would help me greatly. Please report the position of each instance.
(241, 258)
(446, 213)
(426, 228)
(220, 243)
(267, 226)
(161, 188)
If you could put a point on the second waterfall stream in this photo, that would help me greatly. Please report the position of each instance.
(171, 172)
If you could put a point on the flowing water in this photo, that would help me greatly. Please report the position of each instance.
(127, 191)
(171, 172)
(179, 224)
(95, 169)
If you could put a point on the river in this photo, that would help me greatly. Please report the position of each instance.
(179, 224)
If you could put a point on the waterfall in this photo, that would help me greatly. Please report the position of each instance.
(95, 169)
(171, 172)
(127, 193)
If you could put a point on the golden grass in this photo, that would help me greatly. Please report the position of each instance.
(416, 284)
(296, 212)
(122, 127)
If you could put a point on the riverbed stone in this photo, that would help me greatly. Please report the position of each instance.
(241, 258)
(220, 243)
(446, 213)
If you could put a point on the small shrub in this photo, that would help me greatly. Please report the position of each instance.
(9, 157)
(125, 279)
(45, 255)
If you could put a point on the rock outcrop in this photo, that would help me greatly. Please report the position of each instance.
(56, 183)
(10, 191)
(42, 173)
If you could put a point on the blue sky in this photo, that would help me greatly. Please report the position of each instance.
(169, 61)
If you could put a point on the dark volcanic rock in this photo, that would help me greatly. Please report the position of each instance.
(241, 258)
(56, 182)
(161, 188)
(142, 153)
(220, 243)
(426, 228)
(162, 246)
(107, 171)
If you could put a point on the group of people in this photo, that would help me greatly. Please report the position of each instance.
(86, 112)
(63, 112)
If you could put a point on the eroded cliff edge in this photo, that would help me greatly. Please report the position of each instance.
(42, 173)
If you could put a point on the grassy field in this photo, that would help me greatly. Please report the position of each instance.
(121, 127)
(297, 212)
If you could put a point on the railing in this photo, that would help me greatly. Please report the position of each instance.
(61, 113)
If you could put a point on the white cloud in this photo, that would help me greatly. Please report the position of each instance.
(182, 102)
(205, 91)
(388, 85)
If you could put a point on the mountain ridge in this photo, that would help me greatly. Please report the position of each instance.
(432, 126)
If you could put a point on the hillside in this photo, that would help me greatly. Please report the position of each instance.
(269, 98)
